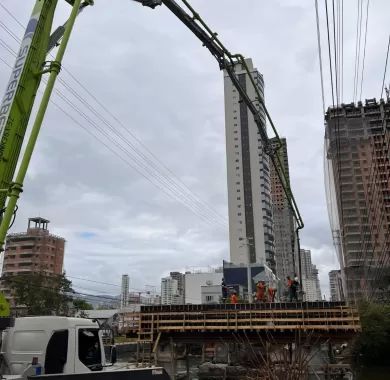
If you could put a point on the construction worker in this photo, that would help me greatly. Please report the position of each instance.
(233, 298)
(294, 290)
(224, 291)
(271, 293)
(260, 291)
(289, 288)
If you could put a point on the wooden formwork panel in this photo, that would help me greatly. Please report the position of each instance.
(323, 318)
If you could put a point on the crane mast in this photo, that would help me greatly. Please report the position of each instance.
(30, 66)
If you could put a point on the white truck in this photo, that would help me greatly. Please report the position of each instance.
(61, 347)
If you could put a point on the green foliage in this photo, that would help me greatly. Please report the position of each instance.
(4, 306)
(372, 347)
(42, 293)
(80, 304)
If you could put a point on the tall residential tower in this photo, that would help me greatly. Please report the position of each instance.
(125, 290)
(248, 172)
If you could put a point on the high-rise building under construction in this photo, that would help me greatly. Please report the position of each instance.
(357, 142)
(248, 171)
(284, 231)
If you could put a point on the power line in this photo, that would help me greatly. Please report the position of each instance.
(178, 190)
(320, 56)
(168, 192)
(160, 166)
(384, 74)
(357, 48)
(364, 51)
(329, 52)
(12, 16)
(342, 51)
(335, 46)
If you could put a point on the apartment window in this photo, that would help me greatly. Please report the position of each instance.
(238, 198)
(25, 255)
(209, 298)
(25, 264)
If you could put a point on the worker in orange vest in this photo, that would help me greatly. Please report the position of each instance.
(233, 298)
(260, 293)
(271, 294)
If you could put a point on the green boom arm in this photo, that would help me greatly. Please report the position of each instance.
(20, 93)
(17, 103)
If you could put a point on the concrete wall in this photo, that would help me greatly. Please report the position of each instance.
(194, 282)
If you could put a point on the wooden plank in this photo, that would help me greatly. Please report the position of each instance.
(265, 311)
(263, 327)
(195, 321)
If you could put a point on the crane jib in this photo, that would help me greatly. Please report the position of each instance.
(10, 92)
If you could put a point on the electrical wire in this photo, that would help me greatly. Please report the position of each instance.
(357, 49)
(186, 196)
(364, 51)
(329, 52)
(147, 155)
(320, 56)
(384, 74)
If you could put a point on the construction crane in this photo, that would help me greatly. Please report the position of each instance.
(31, 64)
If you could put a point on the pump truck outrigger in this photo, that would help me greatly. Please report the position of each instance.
(32, 63)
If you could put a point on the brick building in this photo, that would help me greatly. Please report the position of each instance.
(32, 251)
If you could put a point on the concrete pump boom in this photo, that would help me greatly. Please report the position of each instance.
(227, 62)
(30, 65)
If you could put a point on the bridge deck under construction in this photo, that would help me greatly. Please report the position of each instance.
(324, 319)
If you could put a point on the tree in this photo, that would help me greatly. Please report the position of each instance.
(4, 306)
(42, 293)
(372, 347)
(80, 304)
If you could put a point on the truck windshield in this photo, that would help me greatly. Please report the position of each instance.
(89, 349)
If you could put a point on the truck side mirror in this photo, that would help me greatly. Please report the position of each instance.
(113, 355)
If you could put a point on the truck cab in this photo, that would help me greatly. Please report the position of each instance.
(57, 345)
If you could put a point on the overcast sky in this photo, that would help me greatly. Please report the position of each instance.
(160, 84)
